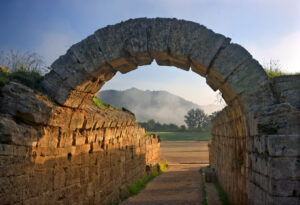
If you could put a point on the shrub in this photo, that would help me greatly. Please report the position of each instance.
(274, 73)
(273, 68)
(4, 79)
(140, 184)
(28, 78)
(162, 167)
(146, 134)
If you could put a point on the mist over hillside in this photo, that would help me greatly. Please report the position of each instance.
(161, 106)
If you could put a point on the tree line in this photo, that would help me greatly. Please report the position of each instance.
(195, 119)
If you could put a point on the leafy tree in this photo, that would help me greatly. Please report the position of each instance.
(210, 118)
(213, 115)
(151, 125)
(196, 119)
(182, 128)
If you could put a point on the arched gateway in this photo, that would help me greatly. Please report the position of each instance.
(244, 135)
(69, 151)
(87, 65)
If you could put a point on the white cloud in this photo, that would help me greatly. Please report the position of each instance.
(286, 50)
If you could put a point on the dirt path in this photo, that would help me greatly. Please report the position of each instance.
(180, 184)
(212, 194)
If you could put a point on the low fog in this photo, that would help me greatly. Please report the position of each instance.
(161, 106)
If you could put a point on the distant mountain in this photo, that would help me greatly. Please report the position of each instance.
(161, 106)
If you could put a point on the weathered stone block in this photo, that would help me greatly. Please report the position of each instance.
(6, 149)
(275, 200)
(284, 168)
(49, 138)
(279, 119)
(260, 164)
(21, 151)
(77, 120)
(135, 34)
(22, 102)
(288, 188)
(287, 89)
(260, 144)
(284, 145)
(222, 67)
(247, 76)
(59, 178)
(60, 117)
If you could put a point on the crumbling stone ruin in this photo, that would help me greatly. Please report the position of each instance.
(59, 147)
(256, 155)
(50, 154)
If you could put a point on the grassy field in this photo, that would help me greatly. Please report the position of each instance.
(184, 136)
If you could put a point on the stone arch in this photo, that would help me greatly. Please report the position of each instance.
(79, 74)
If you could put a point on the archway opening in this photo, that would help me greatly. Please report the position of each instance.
(175, 83)
(161, 97)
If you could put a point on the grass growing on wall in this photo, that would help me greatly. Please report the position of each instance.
(4, 79)
(28, 78)
(100, 103)
(222, 194)
(203, 188)
(141, 183)
(275, 73)
(162, 167)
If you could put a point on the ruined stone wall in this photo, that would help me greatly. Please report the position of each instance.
(227, 154)
(57, 155)
(257, 155)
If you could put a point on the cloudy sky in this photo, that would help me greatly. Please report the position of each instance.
(269, 29)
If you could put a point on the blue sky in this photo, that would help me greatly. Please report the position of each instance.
(269, 29)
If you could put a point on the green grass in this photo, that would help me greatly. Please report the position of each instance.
(203, 188)
(4, 77)
(100, 103)
(28, 78)
(141, 183)
(103, 105)
(275, 73)
(184, 136)
(162, 167)
(222, 194)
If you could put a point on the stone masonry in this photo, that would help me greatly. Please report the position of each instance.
(260, 163)
(51, 154)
